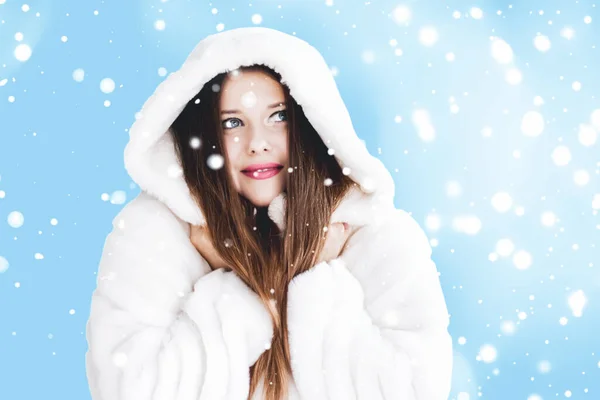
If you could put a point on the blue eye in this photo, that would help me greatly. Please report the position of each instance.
(224, 123)
(282, 112)
(231, 123)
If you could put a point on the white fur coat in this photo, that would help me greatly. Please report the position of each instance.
(371, 324)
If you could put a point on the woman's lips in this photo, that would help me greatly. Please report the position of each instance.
(265, 174)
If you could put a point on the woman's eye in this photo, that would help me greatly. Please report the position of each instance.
(282, 115)
(231, 123)
(226, 124)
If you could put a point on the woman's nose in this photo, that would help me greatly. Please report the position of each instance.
(258, 144)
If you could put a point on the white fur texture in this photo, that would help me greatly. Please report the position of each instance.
(372, 324)
(369, 325)
(161, 326)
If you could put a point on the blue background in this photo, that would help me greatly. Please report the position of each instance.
(61, 149)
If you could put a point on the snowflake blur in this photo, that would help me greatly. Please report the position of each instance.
(486, 113)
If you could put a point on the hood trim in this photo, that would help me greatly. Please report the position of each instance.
(150, 157)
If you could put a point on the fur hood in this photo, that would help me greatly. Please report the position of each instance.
(150, 157)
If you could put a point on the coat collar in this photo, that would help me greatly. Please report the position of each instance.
(356, 208)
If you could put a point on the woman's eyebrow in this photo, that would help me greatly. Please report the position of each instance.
(274, 105)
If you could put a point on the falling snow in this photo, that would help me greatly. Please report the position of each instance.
(428, 36)
(542, 43)
(23, 52)
(118, 197)
(532, 123)
(486, 114)
(3, 264)
(107, 85)
(78, 75)
(15, 219)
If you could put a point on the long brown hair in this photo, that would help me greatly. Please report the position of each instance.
(245, 237)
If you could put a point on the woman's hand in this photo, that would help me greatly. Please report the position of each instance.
(337, 235)
(200, 238)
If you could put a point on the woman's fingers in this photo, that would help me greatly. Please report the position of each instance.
(335, 240)
(344, 227)
(337, 234)
(195, 232)
(200, 238)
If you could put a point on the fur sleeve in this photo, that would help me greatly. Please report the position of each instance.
(372, 323)
(161, 325)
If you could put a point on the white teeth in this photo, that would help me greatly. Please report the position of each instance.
(263, 170)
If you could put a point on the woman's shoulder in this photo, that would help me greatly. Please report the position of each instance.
(146, 229)
(146, 211)
(396, 231)
(404, 224)
(395, 222)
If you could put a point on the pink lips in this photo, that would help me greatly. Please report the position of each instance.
(254, 167)
(264, 174)
(262, 171)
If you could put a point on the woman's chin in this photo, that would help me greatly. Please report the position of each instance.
(262, 199)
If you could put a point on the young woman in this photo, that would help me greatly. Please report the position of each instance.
(264, 257)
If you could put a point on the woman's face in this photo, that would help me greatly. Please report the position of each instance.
(255, 131)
